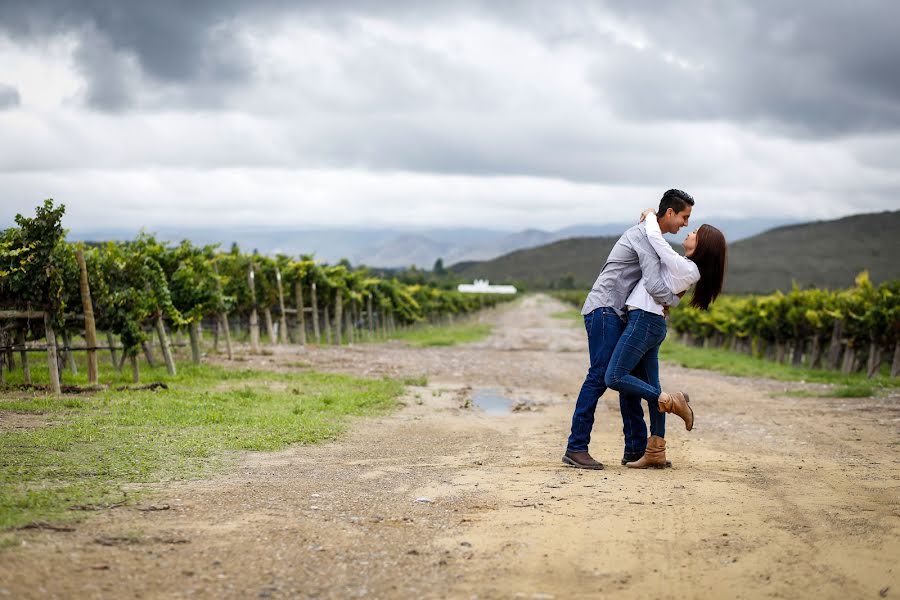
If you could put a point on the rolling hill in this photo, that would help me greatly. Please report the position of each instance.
(827, 254)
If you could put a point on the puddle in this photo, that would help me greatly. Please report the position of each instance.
(492, 402)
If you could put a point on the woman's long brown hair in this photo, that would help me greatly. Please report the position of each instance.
(711, 257)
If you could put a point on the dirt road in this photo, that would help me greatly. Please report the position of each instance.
(770, 496)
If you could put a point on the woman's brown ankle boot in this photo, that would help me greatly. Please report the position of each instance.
(678, 403)
(654, 456)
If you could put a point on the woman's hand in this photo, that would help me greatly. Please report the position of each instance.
(647, 211)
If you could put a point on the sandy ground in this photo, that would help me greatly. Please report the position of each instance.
(770, 496)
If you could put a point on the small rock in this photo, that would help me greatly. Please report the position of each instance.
(465, 544)
(424, 500)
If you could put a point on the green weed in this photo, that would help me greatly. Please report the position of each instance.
(99, 442)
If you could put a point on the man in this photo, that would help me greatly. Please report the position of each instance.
(604, 320)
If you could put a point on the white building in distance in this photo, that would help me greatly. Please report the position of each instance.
(483, 286)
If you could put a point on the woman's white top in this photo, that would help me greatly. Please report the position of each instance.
(678, 272)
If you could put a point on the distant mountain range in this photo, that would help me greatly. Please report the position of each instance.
(826, 254)
(395, 247)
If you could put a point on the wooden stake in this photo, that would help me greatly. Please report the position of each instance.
(270, 328)
(164, 343)
(815, 355)
(90, 327)
(301, 314)
(9, 355)
(849, 360)
(223, 320)
(834, 348)
(112, 350)
(70, 356)
(315, 314)
(797, 359)
(874, 362)
(194, 332)
(371, 314)
(135, 367)
(148, 353)
(283, 328)
(327, 325)
(26, 369)
(52, 367)
(254, 317)
(338, 316)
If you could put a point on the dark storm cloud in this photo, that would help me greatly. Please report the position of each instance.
(9, 96)
(803, 68)
(186, 43)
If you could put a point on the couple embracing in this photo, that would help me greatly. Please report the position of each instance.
(625, 318)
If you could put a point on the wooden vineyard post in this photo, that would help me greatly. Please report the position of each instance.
(223, 317)
(849, 360)
(371, 315)
(799, 347)
(194, 332)
(348, 323)
(874, 361)
(834, 348)
(327, 318)
(354, 319)
(148, 353)
(90, 326)
(814, 356)
(338, 316)
(135, 367)
(282, 329)
(23, 354)
(52, 367)
(112, 350)
(270, 326)
(8, 354)
(301, 316)
(317, 332)
(70, 356)
(254, 317)
(164, 342)
(226, 329)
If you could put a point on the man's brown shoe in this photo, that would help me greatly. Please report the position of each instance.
(581, 460)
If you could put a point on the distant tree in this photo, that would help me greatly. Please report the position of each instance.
(439, 267)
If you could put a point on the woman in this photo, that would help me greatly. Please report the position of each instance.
(703, 264)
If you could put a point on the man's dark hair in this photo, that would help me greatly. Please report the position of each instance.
(676, 200)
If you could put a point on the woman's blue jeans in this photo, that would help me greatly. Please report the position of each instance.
(604, 326)
(637, 352)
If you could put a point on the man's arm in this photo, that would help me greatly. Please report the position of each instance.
(650, 269)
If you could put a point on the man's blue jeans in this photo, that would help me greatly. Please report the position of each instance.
(637, 353)
(603, 327)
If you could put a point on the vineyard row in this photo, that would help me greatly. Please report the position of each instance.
(143, 288)
(852, 330)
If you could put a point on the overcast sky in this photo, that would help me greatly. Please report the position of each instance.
(499, 114)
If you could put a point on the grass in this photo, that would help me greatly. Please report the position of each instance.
(415, 381)
(445, 335)
(102, 443)
(573, 315)
(847, 391)
(735, 363)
